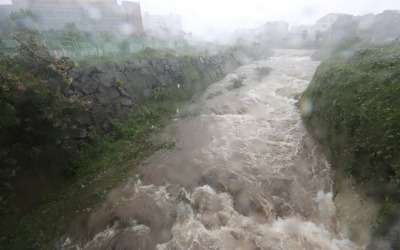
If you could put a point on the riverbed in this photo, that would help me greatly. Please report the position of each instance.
(244, 174)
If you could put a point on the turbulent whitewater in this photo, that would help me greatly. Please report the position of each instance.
(244, 174)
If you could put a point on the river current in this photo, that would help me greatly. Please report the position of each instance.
(244, 174)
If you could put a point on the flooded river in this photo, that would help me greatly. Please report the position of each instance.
(244, 174)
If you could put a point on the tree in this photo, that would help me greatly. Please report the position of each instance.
(34, 116)
(24, 20)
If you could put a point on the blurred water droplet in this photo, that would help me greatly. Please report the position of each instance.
(127, 29)
(94, 13)
(306, 106)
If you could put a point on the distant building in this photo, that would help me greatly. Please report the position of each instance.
(365, 22)
(325, 23)
(386, 27)
(273, 31)
(304, 32)
(335, 26)
(95, 16)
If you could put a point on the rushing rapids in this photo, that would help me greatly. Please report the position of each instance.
(244, 174)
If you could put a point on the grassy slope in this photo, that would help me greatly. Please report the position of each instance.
(352, 106)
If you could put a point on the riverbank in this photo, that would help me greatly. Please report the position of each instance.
(352, 108)
(103, 163)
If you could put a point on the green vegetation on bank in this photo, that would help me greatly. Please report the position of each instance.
(103, 161)
(352, 106)
(35, 127)
(100, 165)
(35, 117)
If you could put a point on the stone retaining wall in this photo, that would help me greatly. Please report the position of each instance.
(115, 89)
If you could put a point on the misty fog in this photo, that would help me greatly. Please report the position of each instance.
(175, 124)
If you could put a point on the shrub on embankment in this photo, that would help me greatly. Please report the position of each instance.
(34, 117)
(352, 106)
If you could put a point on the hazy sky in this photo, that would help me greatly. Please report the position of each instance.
(214, 16)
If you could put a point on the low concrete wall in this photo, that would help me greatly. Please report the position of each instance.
(115, 89)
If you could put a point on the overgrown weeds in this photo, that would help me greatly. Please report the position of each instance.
(352, 107)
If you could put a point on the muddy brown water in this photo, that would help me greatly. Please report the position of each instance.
(244, 174)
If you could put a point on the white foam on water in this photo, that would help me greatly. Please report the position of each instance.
(244, 175)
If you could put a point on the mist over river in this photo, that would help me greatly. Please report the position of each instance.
(244, 174)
